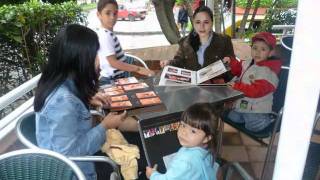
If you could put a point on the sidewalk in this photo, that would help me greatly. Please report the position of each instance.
(136, 34)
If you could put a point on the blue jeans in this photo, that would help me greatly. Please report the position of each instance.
(253, 121)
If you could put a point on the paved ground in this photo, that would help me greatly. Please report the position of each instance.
(138, 40)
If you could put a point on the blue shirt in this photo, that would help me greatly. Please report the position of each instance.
(201, 50)
(189, 163)
(64, 125)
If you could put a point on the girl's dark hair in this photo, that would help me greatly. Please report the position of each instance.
(102, 3)
(72, 55)
(204, 116)
(194, 37)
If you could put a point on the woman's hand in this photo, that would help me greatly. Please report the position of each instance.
(99, 99)
(163, 63)
(226, 60)
(145, 72)
(230, 84)
(113, 120)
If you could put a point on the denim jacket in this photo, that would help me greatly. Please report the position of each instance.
(189, 163)
(64, 125)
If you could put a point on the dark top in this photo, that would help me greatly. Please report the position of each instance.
(219, 47)
(183, 16)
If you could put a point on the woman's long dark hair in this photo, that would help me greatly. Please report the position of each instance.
(205, 116)
(72, 55)
(194, 37)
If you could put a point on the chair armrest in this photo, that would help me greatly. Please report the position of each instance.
(97, 159)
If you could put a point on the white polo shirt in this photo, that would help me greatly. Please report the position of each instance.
(109, 45)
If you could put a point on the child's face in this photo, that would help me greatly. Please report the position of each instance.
(191, 137)
(260, 51)
(202, 24)
(108, 16)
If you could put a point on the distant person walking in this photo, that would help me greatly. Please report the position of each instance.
(183, 19)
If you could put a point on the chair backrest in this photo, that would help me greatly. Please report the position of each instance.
(279, 95)
(131, 59)
(287, 42)
(31, 164)
(26, 128)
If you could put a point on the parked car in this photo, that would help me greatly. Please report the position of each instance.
(131, 13)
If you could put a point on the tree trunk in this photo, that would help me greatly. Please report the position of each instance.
(256, 6)
(245, 17)
(166, 19)
(217, 15)
(233, 20)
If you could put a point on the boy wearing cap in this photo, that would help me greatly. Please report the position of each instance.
(258, 80)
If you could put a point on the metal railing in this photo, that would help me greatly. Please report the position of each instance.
(286, 29)
(7, 124)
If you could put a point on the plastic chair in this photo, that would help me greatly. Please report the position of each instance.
(287, 42)
(33, 164)
(26, 129)
(131, 59)
(231, 170)
(271, 130)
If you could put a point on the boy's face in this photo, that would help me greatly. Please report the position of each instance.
(108, 16)
(191, 137)
(260, 51)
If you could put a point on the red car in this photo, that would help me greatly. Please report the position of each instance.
(131, 13)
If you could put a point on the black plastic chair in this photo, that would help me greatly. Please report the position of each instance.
(26, 129)
(271, 130)
(34, 164)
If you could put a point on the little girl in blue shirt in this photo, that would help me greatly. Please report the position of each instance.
(196, 134)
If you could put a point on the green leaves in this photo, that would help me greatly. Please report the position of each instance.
(27, 30)
(268, 3)
(39, 17)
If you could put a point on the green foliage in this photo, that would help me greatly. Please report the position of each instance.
(26, 32)
(58, 1)
(268, 3)
(8, 2)
(279, 17)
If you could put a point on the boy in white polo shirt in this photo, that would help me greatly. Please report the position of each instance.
(111, 55)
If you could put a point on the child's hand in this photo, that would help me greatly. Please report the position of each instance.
(163, 63)
(150, 170)
(146, 72)
(226, 60)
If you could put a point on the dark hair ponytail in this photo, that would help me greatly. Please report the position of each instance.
(72, 55)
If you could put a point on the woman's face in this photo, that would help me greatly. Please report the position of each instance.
(202, 24)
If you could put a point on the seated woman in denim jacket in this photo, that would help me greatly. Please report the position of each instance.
(68, 84)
